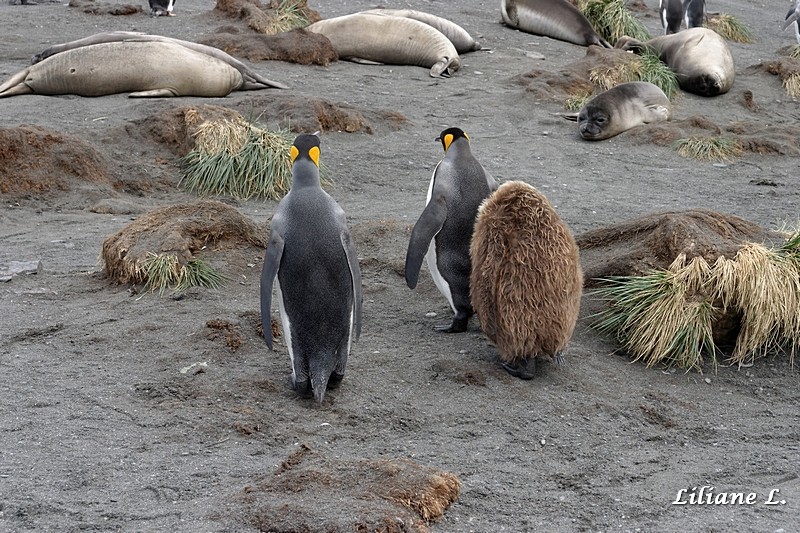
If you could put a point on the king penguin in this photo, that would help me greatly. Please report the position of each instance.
(318, 287)
(443, 231)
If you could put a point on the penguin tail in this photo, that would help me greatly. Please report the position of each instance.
(319, 384)
(320, 367)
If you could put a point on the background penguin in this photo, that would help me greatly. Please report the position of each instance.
(793, 18)
(319, 281)
(526, 277)
(672, 12)
(162, 8)
(444, 229)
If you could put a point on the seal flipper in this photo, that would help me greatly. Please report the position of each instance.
(429, 224)
(16, 85)
(154, 93)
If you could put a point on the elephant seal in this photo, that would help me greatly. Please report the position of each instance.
(162, 8)
(621, 108)
(312, 255)
(444, 229)
(372, 38)
(557, 19)
(460, 38)
(149, 69)
(248, 74)
(526, 277)
(699, 57)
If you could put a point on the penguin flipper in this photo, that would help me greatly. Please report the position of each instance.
(791, 17)
(430, 222)
(272, 260)
(355, 276)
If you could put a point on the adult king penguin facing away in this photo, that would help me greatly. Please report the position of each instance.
(443, 232)
(319, 281)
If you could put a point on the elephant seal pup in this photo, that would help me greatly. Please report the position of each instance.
(526, 277)
(250, 76)
(312, 255)
(621, 108)
(699, 57)
(460, 38)
(443, 231)
(557, 19)
(371, 38)
(148, 69)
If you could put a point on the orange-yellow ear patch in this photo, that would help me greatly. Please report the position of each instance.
(293, 153)
(448, 139)
(313, 153)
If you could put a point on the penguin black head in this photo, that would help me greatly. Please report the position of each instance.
(449, 135)
(305, 147)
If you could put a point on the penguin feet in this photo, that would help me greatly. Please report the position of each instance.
(459, 324)
(303, 388)
(522, 368)
(335, 380)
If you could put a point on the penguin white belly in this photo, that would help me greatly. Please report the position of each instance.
(430, 256)
(441, 283)
(287, 327)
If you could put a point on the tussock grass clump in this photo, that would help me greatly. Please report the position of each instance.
(165, 271)
(709, 148)
(611, 19)
(239, 159)
(794, 51)
(644, 67)
(668, 316)
(288, 15)
(659, 317)
(730, 28)
(659, 74)
(791, 84)
(576, 101)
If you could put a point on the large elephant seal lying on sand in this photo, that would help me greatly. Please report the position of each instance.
(699, 57)
(460, 37)
(621, 108)
(148, 65)
(557, 19)
(369, 37)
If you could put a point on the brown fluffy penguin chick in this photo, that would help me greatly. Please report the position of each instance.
(526, 277)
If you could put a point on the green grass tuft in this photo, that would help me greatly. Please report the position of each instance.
(289, 15)
(165, 271)
(730, 28)
(659, 74)
(575, 102)
(709, 148)
(611, 19)
(238, 159)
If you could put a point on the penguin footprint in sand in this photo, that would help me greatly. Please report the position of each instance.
(312, 255)
(443, 232)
